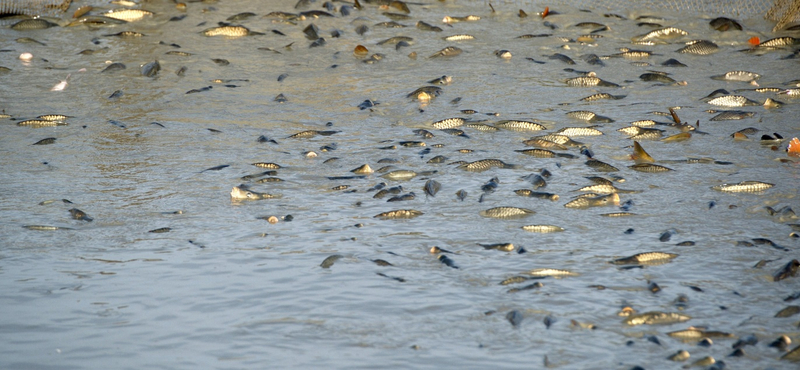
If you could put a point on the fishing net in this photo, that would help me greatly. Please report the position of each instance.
(782, 12)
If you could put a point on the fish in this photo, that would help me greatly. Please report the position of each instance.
(744, 187)
(534, 194)
(515, 280)
(665, 33)
(657, 77)
(432, 187)
(579, 131)
(227, 31)
(449, 51)
(656, 318)
(128, 15)
(793, 355)
(596, 201)
(542, 143)
(646, 258)
(786, 271)
(399, 175)
(516, 125)
(363, 169)
(602, 96)
(699, 47)
(45, 141)
(80, 215)
(40, 123)
(241, 193)
(394, 40)
(151, 69)
(723, 24)
(506, 212)
(542, 228)
(32, 24)
(425, 93)
(505, 54)
(743, 76)
(732, 115)
(160, 230)
(330, 260)
(589, 81)
(45, 227)
(588, 116)
(400, 198)
(558, 139)
(544, 153)
(567, 60)
(399, 213)
(535, 285)
(606, 189)
(788, 311)
(732, 101)
(459, 37)
(311, 133)
(649, 168)
(693, 333)
(447, 261)
(427, 27)
(485, 164)
(601, 166)
(551, 272)
(505, 247)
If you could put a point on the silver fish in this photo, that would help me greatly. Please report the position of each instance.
(744, 187)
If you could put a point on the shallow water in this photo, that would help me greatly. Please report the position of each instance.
(225, 289)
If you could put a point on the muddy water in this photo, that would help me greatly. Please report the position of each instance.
(226, 289)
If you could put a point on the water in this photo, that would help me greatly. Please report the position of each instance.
(225, 289)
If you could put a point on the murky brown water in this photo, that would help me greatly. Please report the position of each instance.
(225, 289)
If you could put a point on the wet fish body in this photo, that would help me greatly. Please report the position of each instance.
(520, 125)
(240, 193)
(597, 201)
(449, 51)
(399, 214)
(485, 164)
(534, 194)
(601, 166)
(744, 187)
(649, 168)
(591, 117)
(79, 215)
(551, 272)
(448, 123)
(227, 31)
(656, 318)
(699, 47)
(732, 101)
(506, 212)
(646, 258)
(504, 247)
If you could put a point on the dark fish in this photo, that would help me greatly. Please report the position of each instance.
(562, 58)
(160, 230)
(432, 187)
(330, 260)
(47, 141)
(79, 215)
(151, 69)
(534, 194)
(672, 63)
(113, 67)
(788, 270)
(515, 318)
(601, 166)
(32, 24)
(593, 59)
(535, 285)
(427, 27)
(311, 133)
(723, 24)
(505, 247)
(657, 77)
(461, 194)
(447, 261)
(449, 51)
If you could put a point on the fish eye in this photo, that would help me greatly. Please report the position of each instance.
(249, 194)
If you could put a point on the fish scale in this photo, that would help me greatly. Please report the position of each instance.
(506, 212)
(448, 123)
(732, 101)
(699, 47)
(744, 187)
